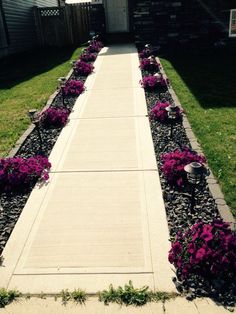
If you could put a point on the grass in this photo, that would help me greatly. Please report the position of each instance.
(78, 296)
(8, 296)
(205, 83)
(26, 81)
(133, 296)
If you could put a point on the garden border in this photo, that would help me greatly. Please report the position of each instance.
(214, 187)
(31, 127)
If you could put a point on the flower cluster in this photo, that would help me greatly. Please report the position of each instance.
(95, 46)
(206, 250)
(88, 57)
(145, 53)
(174, 162)
(160, 114)
(73, 88)
(83, 68)
(154, 82)
(17, 173)
(149, 65)
(55, 118)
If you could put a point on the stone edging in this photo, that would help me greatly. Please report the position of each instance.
(30, 129)
(213, 185)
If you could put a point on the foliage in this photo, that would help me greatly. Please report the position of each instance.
(78, 296)
(88, 57)
(24, 82)
(132, 296)
(205, 250)
(74, 88)
(210, 106)
(154, 82)
(83, 68)
(149, 65)
(55, 118)
(8, 296)
(160, 114)
(17, 173)
(95, 46)
(174, 162)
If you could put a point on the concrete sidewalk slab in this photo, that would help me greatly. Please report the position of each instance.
(93, 306)
(105, 144)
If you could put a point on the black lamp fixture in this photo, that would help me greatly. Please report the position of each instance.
(172, 115)
(35, 119)
(61, 86)
(196, 172)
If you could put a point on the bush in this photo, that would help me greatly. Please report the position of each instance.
(205, 250)
(88, 57)
(174, 162)
(95, 46)
(154, 82)
(54, 118)
(160, 114)
(82, 68)
(17, 173)
(73, 88)
(149, 65)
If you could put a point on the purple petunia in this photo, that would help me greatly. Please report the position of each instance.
(54, 117)
(16, 173)
(83, 68)
(174, 163)
(73, 88)
(154, 82)
(159, 113)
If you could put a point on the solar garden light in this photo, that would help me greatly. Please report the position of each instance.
(73, 64)
(195, 174)
(172, 115)
(61, 86)
(34, 118)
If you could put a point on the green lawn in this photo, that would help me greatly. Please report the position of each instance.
(205, 82)
(26, 82)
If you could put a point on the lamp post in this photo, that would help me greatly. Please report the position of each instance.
(34, 118)
(62, 83)
(172, 115)
(195, 174)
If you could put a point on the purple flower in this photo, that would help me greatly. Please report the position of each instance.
(82, 68)
(73, 88)
(174, 162)
(154, 82)
(149, 65)
(159, 113)
(54, 118)
(88, 57)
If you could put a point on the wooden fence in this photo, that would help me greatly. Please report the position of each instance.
(61, 26)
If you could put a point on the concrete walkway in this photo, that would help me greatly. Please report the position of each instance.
(101, 218)
(93, 306)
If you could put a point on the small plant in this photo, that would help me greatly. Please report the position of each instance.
(160, 114)
(17, 172)
(149, 65)
(206, 253)
(88, 57)
(8, 296)
(82, 68)
(54, 118)
(78, 296)
(133, 296)
(154, 82)
(95, 46)
(74, 88)
(174, 162)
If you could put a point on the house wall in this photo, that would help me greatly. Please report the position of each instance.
(179, 21)
(20, 24)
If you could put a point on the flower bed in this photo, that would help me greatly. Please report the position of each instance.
(177, 204)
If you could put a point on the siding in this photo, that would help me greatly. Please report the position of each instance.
(20, 23)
